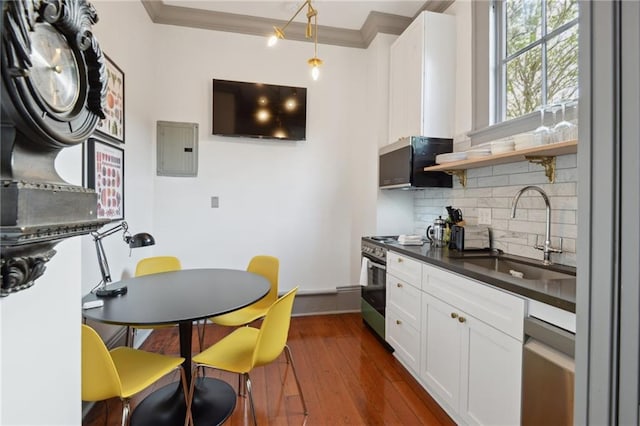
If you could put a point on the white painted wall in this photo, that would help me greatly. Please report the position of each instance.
(125, 33)
(300, 201)
(40, 335)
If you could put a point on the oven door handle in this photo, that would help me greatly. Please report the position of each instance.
(377, 265)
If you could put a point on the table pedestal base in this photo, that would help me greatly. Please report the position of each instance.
(213, 403)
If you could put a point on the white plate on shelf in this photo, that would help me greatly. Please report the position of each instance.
(478, 153)
(528, 140)
(450, 157)
(502, 146)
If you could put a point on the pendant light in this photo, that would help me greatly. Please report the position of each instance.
(311, 31)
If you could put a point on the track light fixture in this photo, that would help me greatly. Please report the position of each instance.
(311, 31)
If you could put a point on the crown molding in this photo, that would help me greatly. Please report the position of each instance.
(377, 22)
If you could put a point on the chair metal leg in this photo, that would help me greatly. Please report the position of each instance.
(240, 384)
(247, 384)
(201, 330)
(287, 352)
(189, 416)
(188, 420)
(106, 412)
(125, 412)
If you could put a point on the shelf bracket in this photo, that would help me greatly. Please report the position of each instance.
(549, 164)
(460, 174)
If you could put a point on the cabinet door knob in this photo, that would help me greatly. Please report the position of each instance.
(398, 322)
(454, 315)
(399, 260)
(462, 319)
(399, 285)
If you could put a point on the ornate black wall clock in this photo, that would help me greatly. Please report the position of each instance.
(53, 89)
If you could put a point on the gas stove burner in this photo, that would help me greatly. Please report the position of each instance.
(385, 239)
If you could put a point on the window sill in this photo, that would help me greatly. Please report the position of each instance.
(526, 123)
(512, 127)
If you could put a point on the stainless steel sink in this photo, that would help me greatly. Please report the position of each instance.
(517, 268)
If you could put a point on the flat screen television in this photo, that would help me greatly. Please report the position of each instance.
(259, 110)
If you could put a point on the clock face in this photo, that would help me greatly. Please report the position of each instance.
(54, 73)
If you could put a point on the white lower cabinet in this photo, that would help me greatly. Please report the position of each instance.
(460, 338)
(404, 338)
(403, 309)
(470, 367)
(441, 350)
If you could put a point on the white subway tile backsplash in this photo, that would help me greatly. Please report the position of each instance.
(480, 172)
(566, 175)
(567, 161)
(497, 214)
(564, 203)
(494, 187)
(564, 230)
(505, 191)
(558, 188)
(478, 193)
(527, 227)
(510, 237)
(531, 178)
(491, 181)
(557, 216)
(511, 168)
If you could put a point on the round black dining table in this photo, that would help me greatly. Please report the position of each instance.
(181, 297)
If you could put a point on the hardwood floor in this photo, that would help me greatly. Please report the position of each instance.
(346, 374)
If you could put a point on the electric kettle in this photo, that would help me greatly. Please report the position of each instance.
(436, 233)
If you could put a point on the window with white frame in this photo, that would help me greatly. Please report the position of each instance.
(536, 55)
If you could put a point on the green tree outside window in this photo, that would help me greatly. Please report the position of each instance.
(537, 55)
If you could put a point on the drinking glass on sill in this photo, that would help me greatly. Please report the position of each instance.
(564, 130)
(542, 134)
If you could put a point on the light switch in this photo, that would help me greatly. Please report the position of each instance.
(215, 202)
(484, 216)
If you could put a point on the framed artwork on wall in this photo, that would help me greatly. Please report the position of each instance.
(112, 126)
(105, 174)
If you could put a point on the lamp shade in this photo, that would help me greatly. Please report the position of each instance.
(141, 240)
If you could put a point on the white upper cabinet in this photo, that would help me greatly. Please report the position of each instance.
(422, 78)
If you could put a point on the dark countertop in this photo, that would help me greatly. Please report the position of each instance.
(560, 293)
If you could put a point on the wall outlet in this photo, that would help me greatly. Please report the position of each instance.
(484, 216)
(215, 202)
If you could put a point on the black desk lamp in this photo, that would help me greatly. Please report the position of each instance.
(138, 240)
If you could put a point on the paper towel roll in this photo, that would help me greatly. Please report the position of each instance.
(364, 272)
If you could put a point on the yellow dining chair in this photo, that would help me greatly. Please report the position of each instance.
(148, 266)
(247, 348)
(268, 267)
(121, 372)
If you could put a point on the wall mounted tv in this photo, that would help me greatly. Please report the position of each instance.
(259, 110)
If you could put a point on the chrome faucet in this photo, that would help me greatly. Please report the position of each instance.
(546, 248)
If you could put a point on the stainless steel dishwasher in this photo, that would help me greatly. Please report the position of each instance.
(548, 371)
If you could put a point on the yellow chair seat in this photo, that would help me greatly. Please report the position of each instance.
(268, 267)
(155, 265)
(138, 369)
(243, 316)
(246, 348)
(233, 352)
(122, 372)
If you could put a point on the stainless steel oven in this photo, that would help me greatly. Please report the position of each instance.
(374, 288)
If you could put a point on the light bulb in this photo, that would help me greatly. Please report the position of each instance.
(272, 41)
(315, 63)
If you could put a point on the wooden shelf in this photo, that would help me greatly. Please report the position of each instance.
(543, 154)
